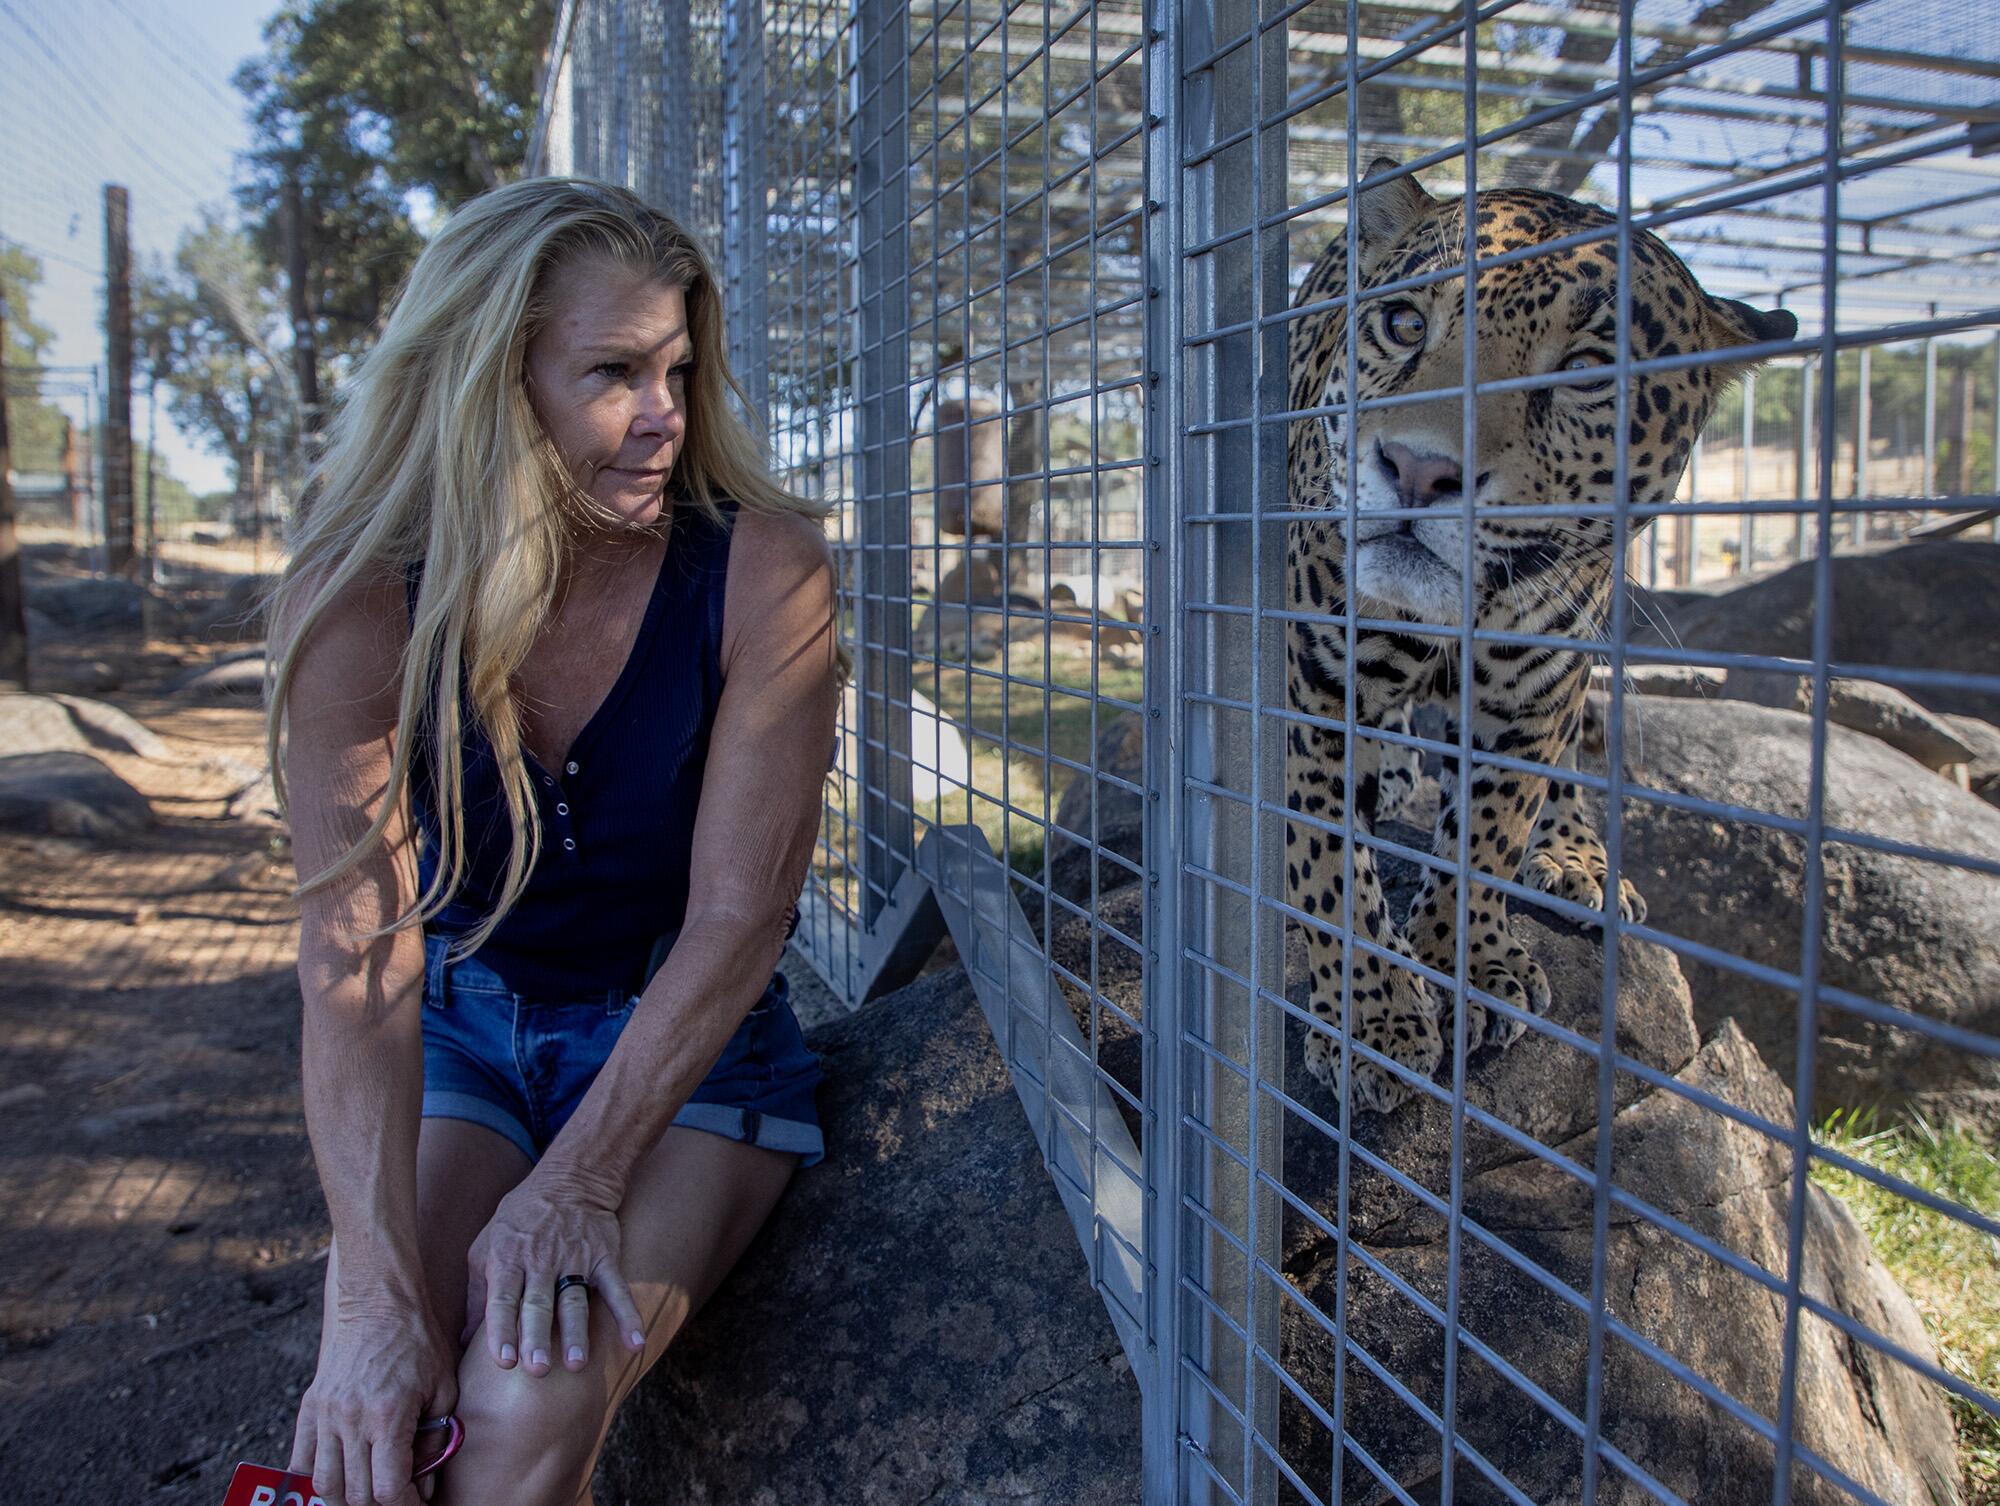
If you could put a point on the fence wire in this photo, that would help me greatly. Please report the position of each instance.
(1460, 797)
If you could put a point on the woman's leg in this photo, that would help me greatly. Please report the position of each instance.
(463, 1170)
(691, 1209)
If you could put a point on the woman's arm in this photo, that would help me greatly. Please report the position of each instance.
(383, 1357)
(754, 836)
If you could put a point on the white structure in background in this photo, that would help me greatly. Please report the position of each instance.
(940, 763)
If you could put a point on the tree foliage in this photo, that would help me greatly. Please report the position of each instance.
(35, 428)
(211, 328)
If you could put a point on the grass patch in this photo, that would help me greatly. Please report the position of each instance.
(1015, 714)
(1951, 1272)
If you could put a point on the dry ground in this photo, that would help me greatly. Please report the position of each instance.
(162, 1236)
(160, 1226)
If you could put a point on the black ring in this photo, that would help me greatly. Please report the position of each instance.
(564, 1283)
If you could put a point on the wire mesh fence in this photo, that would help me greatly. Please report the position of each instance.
(1424, 606)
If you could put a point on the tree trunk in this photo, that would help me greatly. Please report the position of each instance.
(13, 599)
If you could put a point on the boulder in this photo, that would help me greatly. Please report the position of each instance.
(113, 730)
(73, 724)
(1861, 1410)
(69, 795)
(1983, 768)
(237, 676)
(256, 803)
(1870, 1416)
(238, 610)
(1915, 935)
(1934, 604)
(914, 1323)
(1120, 814)
(38, 724)
(1686, 680)
(88, 604)
(1881, 711)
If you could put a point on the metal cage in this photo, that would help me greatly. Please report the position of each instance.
(1020, 292)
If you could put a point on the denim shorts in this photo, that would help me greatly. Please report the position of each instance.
(521, 1066)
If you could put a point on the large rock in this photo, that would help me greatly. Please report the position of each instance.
(1881, 711)
(38, 724)
(1871, 1417)
(235, 676)
(88, 604)
(1916, 935)
(73, 724)
(1862, 1411)
(1983, 768)
(69, 795)
(1120, 814)
(1930, 605)
(915, 1323)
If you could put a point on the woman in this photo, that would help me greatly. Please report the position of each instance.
(556, 670)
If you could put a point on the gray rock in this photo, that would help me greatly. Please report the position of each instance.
(38, 724)
(1864, 1412)
(1120, 814)
(239, 610)
(72, 724)
(1686, 680)
(113, 730)
(1928, 605)
(68, 795)
(235, 677)
(1916, 935)
(1983, 768)
(915, 1323)
(1540, 1086)
(89, 604)
(1881, 711)
(256, 803)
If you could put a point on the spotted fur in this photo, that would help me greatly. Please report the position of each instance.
(1536, 575)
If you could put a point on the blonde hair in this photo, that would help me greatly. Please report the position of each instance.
(435, 457)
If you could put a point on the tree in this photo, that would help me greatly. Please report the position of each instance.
(213, 334)
(357, 106)
(440, 92)
(35, 427)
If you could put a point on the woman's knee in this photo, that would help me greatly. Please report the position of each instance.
(528, 1438)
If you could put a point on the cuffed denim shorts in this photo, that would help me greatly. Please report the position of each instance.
(521, 1066)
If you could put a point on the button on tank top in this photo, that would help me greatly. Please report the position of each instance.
(617, 817)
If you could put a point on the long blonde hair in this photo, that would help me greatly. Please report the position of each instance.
(435, 456)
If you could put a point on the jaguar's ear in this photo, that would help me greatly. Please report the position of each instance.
(1384, 212)
(1739, 323)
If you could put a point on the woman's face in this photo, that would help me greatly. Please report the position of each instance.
(608, 377)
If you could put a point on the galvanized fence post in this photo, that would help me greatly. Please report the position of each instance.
(882, 604)
(745, 216)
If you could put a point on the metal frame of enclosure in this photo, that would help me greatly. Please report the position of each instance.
(1012, 287)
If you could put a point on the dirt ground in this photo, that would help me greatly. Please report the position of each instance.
(162, 1236)
(161, 1231)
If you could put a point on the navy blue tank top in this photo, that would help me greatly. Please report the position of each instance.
(618, 817)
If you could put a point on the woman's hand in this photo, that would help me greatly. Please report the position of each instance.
(552, 1225)
(383, 1365)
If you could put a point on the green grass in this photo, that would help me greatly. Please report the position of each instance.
(1951, 1272)
(1029, 709)
(1036, 723)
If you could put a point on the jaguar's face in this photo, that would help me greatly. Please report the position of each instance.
(1551, 314)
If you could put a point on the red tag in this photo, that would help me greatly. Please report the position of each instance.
(260, 1485)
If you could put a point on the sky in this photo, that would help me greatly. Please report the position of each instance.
(135, 92)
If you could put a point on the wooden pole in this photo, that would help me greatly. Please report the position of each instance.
(118, 547)
(13, 598)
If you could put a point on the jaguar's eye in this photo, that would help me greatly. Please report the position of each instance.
(1587, 360)
(1407, 326)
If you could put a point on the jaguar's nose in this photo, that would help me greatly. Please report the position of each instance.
(1419, 478)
